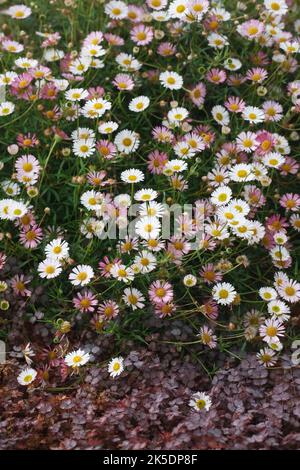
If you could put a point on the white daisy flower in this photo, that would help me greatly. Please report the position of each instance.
(27, 376)
(146, 261)
(267, 293)
(273, 160)
(200, 401)
(49, 268)
(189, 280)
(132, 176)
(77, 358)
(18, 12)
(220, 115)
(57, 249)
(148, 227)
(145, 195)
(171, 80)
(253, 114)
(224, 293)
(76, 94)
(84, 148)
(116, 10)
(176, 115)
(6, 108)
(133, 298)
(122, 273)
(81, 275)
(108, 127)
(242, 172)
(116, 366)
(127, 141)
(138, 104)
(221, 195)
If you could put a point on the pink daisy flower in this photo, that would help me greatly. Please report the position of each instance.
(109, 309)
(209, 274)
(290, 166)
(166, 49)
(160, 292)
(18, 284)
(216, 76)
(123, 81)
(114, 39)
(85, 301)
(197, 94)
(31, 238)
(164, 309)
(207, 337)
(27, 140)
(106, 149)
(251, 29)
(210, 309)
(157, 161)
(235, 104)
(256, 75)
(142, 35)
(290, 202)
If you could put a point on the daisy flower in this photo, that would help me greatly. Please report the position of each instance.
(108, 127)
(121, 272)
(224, 293)
(160, 292)
(57, 249)
(220, 115)
(6, 108)
(27, 376)
(127, 141)
(116, 366)
(132, 176)
(133, 298)
(271, 329)
(277, 7)
(253, 115)
(85, 301)
(177, 115)
(148, 227)
(200, 401)
(171, 80)
(123, 81)
(290, 291)
(49, 268)
(76, 94)
(273, 160)
(109, 309)
(138, 104)
(221, 195)
(145, 195)
(242, 172)
(267, 357)
(18, 12)
(116, 9)
(77, 358)
(273, 111)
(207, 337)
(84, 148)
(141, 35)
(81, 275)
(146, 261)
(189, 280)
(178, 9)
(279, 309)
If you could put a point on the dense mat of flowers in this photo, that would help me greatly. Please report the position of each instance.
(111, 110)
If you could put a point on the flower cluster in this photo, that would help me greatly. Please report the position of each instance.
(150, 169)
